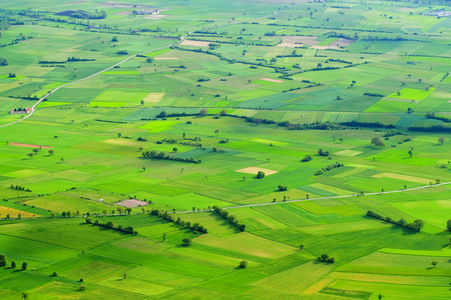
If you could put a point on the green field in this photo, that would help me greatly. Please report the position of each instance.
(151, 115)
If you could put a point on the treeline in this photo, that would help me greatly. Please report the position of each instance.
(109, 121)
(19, 188)
(355, 123)
(416, 225)
(328, 168)
(79, 59)
(441, 118)
(111, 225)
(230, 218)
(162, 155)
(169, 217)
(433, 128)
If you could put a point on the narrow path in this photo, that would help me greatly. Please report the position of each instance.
(320, 198)
(181, 39)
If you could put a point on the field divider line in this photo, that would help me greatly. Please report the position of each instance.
(319, 198)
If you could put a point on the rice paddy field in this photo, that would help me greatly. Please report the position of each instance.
(149, 113)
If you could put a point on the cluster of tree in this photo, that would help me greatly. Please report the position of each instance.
(203, 79)
(230, 218)
(377, 142)
(112, 226)
(307, 158)
(326, 258)
(393, 132)
(373, 95)
(162, 155)
(170, 217)
(282, 188)
(164, 114)
(67, 214)
(416, 225)
(328, 168)
(12, 75)
(123, 52)
(3, 62)
(51, 62)
(300, 88)
(19, 188)
(109, 121)
(321, 152)
(88, 15)
(441, 118)
(260, 175)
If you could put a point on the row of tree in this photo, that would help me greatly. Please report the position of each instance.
(230, 218)
(416, 225)
(111, 225)
(328, 168)
(170, 217)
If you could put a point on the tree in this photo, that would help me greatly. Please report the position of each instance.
(307, 158)
(441, 140)
(301, 247)
(374, 140)
(24, 265)
(24, 295)
(175, 149)
(203, 112)
(410, 153)
(380, 144)
(120, 210)
(119, 134)
(35, 150)
(243, 264)
(125, 275)
(30, 154)
(3, 260)
(434, 263)
(273, 60)
(129, 210)
(260, 175)
(437, 181)
(217, 131)
(164, 237)
(13, 264)
(105, 211)
(186, 242)
(62, 160)
(448, 225)
(51, 152)
(54, 274)
(379, 296)
(341, 140)
(142, 102)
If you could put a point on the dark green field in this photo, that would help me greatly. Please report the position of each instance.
(344, 107)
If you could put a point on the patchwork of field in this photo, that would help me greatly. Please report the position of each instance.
(319, 96)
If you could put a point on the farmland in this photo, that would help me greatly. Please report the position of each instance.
(224, 150)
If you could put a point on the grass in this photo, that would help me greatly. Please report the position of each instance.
(97, 126)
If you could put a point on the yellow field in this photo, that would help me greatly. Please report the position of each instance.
(254, 170)
(14, 213)
(402, 177)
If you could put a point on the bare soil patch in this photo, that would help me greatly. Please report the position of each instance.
(340, 43)
(132, 203)
(254, 170)
(195, 43)
(29, 145)
(154, 17)
(272, 80)
(297, 41)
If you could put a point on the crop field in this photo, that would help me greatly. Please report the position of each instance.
(225, 150)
